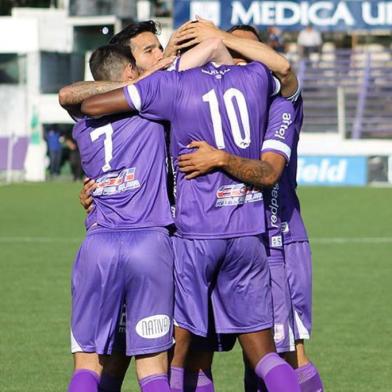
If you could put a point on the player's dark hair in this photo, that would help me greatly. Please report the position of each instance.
(108, 61)
(134, 29)
(244, 27)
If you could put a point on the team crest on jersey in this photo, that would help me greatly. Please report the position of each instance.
(235, 194)
(216, 72)
(116, 182)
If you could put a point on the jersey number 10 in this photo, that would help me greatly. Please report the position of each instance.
(228, 97)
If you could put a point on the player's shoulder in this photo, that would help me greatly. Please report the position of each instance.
(257, 66)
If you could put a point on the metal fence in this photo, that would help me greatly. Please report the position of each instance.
(348, 91)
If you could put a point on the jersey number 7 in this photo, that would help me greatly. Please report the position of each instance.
(106, 130)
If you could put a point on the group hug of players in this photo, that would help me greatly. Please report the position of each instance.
(238, 264)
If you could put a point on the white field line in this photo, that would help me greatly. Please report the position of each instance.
(313, 240)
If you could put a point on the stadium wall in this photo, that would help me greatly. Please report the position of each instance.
(328, 160)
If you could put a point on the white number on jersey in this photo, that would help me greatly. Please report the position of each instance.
(106, 130)
(229, 96)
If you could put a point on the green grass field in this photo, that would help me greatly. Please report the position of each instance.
(351, 236)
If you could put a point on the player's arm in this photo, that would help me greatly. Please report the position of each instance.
(211, 49)
(260, 173)
(253, 50)
(149, 97)
(72, 96)
(111, 102)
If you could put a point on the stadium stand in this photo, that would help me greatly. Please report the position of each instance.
(364, 79)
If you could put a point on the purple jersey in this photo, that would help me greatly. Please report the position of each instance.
(279, 138)
(127, 158)
(226, 106)
(293, 227)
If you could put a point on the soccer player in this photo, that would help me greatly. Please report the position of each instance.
(217, 218)
(147, 50)
(127, 254)
(295, 262)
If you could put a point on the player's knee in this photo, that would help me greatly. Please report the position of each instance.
(115, 365)
(151, 364)
(89, 361)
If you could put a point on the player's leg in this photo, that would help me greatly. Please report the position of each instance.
(94, 286)
(298, 261)
(148, 257)
(283, 333)
(86, 374)
(113, 372)
(195, 264)
(242, 304)
(115, 365)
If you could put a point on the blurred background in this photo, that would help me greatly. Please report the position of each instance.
(341, 50)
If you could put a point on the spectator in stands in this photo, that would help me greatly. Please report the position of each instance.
(54, 149)
(74, 159)
(275, 39)
(309, 41)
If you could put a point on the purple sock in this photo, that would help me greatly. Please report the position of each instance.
(199, 381)
(309, 378)
(155, 383)
(252, 383)
(176, 379)
(84, 380)
(277, 374)
(109, 383)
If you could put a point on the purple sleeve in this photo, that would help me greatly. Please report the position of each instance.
(155, 96)
(281, 131)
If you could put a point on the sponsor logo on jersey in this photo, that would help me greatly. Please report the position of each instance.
(116, 182)
(235, 194)
(216, 72)
(274, 206)
(278, 332)
(286, 122)
(153, 327)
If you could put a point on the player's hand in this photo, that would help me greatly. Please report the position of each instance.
(196, 32)
(199, 162)
(161, 64)
(85, 195)
(172, 47)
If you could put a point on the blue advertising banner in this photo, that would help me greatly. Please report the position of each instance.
(332, 15)
(332, 171)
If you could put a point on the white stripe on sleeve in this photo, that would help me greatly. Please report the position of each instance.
(278, 146)
(278, 86)
(135, 97)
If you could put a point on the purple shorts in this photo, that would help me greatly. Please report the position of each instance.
(116, 267)
(298, 259)
(230, 274)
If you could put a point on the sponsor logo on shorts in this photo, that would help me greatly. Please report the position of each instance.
(153, 327)
(278, 332)
(235, 194)
(116, 182)
(276, 241)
